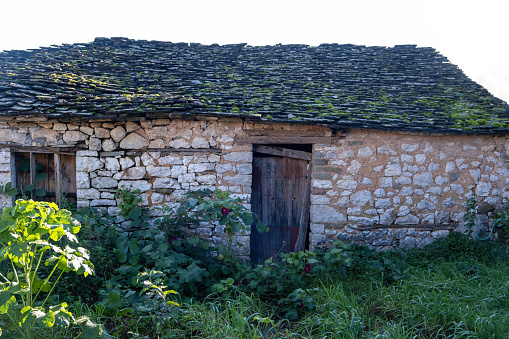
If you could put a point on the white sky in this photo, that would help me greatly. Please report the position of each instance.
(472, 34)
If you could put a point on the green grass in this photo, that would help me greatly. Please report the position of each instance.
(449, 299)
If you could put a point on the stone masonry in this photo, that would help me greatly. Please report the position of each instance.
(386, 189)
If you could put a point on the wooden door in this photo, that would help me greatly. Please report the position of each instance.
(280, 197)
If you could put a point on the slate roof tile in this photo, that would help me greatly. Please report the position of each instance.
(341, 86)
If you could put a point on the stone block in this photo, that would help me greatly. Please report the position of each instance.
(133, 141)
(326, 214)
(112, 164)
(180, 143)
(170, 160)
(159, 171)
(423, 179)
(102, 202)
(88, 193)
(108, 145)
(134, 173)
(202, 167)
(104, 182)
(141, 185)
(409, 219)
(238, 157)
(88, 164)
(102, 133)
(74, 136)
(392, 170)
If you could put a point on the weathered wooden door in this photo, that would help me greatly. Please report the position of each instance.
(280, 196)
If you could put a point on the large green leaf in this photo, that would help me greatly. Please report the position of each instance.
(17, 250)
(6, 301)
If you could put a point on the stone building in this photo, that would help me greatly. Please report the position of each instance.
(368, 144)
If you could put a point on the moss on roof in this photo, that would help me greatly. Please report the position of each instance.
(341, 86)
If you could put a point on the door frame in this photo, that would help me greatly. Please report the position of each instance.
(281, 151)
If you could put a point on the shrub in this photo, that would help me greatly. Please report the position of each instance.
(30, 231)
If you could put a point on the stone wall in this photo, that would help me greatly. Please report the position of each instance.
(391, 189)
(387, 189)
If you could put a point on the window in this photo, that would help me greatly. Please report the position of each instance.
(46, 176)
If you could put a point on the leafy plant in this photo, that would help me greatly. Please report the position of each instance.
(470, 214)
(30, 231)
(501, 220)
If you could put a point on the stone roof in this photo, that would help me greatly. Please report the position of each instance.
(341, 86)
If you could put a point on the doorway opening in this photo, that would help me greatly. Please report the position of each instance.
(281, 198)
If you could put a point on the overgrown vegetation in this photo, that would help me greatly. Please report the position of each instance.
(154, 280)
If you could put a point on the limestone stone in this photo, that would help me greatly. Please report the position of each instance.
(420, 158)
(238, 157)
(88, 193)
(200, 142)
(449, 202)
(180, 143)
(439, 234)
(244, 168)
(354, 167)
(347, 182)
(101, 133)
(423, 179)
(131, 126)
(392, 170)
(186, 178)
(383, 203)
(102, 202)
(134, 173)
(170, 160)
(87, 130)
(157, 132)
(104, 182)
(74, 136)
(208, 179)
(82, 180)
(118, 133)
(410, 147)
(133, 141)
(366, 181)
(167, 183)
(409, 219)
(365, 152)
(88, 164)
(147, 160)
(126, 163)
(108, 145)
(319, 200)
(428, 218)
(94, 144)
(365, 221)
(361, 198)
(51, 136)
(142, 185)
(388, 217)
(326, 214)
(157, 143)
(483, 189)
(242, 180)
(385, 182)
(425, 205)
(159, 171)
(321, 183)
(57, 126)
(400, 233)
(380, 192)
(200, 167)
(112, 164)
